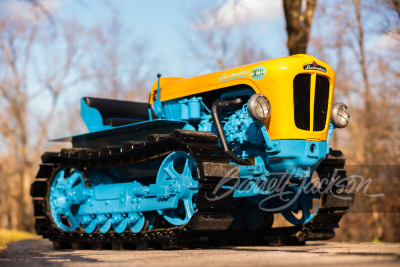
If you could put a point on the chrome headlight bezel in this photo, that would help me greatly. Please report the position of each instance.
(340, 115)
(259, 107)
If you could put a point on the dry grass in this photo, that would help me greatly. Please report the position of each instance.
(7, 236)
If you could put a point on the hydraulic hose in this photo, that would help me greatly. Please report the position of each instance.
(216, 108)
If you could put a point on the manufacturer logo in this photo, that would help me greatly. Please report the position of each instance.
(232, 76)
(258, 73)
(315, 66)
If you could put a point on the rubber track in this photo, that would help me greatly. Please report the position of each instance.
(207, 226)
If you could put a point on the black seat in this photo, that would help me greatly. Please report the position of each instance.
(119, 112)
(112, 107)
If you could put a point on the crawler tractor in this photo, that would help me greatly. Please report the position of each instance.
(207, 161)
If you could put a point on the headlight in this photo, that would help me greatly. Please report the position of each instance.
(340, 115)
(259, 107)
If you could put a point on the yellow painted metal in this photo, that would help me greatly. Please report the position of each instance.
(276, 85)
(312, 98)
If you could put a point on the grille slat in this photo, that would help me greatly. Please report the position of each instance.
(321, 103)
(301, 96)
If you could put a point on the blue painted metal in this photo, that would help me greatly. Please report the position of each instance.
(242, 128)
(172, 110)
(89, 223)
(122, 197)
(205, 125)
(328, 140)
(92, 118)
(131, 197)
(119, 222)
(296, 154)
(103, 223)
(67, 191)
(304, 204)
(271, 146)
(179, 171)
(119, 205)
(237, 125)
(158, 106)
(185, 109)
(190, 108)
(136, 221)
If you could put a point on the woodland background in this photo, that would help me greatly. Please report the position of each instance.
(45, 59)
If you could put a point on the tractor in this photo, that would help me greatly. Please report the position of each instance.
(208, 161)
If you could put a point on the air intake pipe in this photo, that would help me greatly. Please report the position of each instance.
(216, 108)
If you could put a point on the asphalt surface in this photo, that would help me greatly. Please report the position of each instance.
(38, 252)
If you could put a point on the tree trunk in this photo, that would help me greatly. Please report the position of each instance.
(298, 24)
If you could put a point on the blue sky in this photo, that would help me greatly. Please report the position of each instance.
(164, 24)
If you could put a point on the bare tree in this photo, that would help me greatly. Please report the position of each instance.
(367, 79)
(298, 24)
(122, 70)
(30, 87)
(220, 47)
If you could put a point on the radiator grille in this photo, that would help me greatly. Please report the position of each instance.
(301, 96)
(321, 103)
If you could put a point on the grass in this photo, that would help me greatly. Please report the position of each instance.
(376, 240)
(7, 236)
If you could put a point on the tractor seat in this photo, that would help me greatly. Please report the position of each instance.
(119, 112)
(118, 108)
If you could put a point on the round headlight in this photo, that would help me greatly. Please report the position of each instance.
(259, 107)
(340, 115)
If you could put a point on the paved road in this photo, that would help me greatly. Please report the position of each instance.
(38, 252)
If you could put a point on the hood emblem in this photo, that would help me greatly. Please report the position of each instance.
(314, 66)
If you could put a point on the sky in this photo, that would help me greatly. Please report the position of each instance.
(165, 23)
